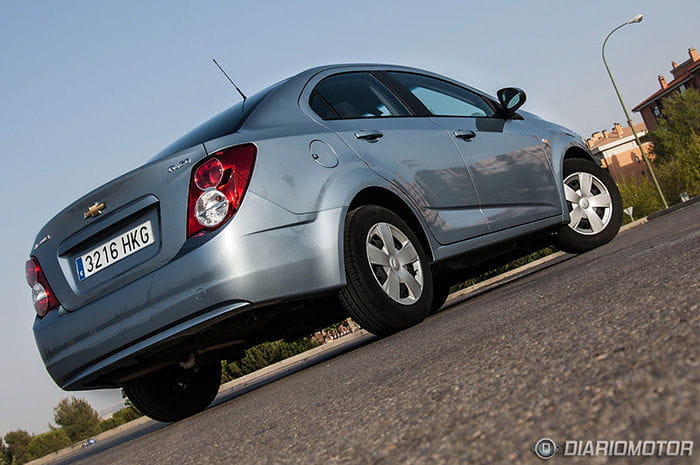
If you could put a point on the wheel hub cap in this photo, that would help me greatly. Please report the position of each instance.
(590, 206)
(394, 263)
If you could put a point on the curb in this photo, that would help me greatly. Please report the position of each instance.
(634, 224)
(673, 208)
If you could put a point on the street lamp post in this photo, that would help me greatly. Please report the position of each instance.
(636, 19)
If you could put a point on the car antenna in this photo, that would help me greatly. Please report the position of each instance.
(230, 80)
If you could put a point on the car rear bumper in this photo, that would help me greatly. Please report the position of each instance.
(266, 254)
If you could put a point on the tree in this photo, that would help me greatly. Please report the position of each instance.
(5, 454)
(106, 425)
(18, 445)
(641, 194)
(679, 128)
(77, 418)
(262, 355)
(127, 401)
(677, 144)
(127, 414)
(48, 442)
(119, 417)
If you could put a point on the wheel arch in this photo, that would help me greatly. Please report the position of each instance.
(385, 198)
(575, 151)
(566, 147)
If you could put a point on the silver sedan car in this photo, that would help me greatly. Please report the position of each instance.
(346, 190)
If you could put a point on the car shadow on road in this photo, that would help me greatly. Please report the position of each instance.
(224, 396)
(300, 365)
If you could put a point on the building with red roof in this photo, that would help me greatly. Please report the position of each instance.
(685, 76)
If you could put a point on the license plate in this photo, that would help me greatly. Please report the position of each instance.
(115, 249)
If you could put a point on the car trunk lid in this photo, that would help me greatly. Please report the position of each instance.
(120, 224)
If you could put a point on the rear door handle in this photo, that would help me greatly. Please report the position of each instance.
(369, 134)
(466, 135)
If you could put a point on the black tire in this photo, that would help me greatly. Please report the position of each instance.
(363, 298)
(441, 291)
(175, 393)
(573, 241)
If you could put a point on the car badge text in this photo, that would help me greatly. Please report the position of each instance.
(178, 165)
(41, 242)
(94, 210)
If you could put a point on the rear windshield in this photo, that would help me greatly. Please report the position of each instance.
(226, 122)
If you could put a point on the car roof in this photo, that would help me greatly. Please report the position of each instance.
(278, 105)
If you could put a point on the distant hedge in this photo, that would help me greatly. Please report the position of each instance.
(263, 355)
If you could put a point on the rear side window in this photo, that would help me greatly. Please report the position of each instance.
(322, 109)
(355, 95)
(226, 122)
(443, 98)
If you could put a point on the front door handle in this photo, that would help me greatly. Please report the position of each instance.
(369, 134)
(466, 135)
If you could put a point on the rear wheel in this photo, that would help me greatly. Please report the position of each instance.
(595, 207)
(390, 286)
(175, 393)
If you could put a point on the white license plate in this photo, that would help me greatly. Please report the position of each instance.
(115, 249)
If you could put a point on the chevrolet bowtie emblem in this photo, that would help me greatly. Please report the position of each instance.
(94, 210)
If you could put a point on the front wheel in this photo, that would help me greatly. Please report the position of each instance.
(175, 393)
(389, 281)
(595, 207)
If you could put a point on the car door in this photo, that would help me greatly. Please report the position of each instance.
(414, 153)
(512, 174)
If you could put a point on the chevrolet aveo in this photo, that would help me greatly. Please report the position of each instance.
(346, 190)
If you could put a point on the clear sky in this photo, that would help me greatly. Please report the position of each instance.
(89, 90)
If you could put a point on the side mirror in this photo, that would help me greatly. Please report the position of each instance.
(510, 98)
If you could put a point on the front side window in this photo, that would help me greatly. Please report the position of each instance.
(443, 98)
(355, 95)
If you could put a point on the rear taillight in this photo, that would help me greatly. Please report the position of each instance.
(217, 188)
(209, 174)
(43, 297)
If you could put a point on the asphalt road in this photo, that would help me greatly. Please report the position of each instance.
(601, 346)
